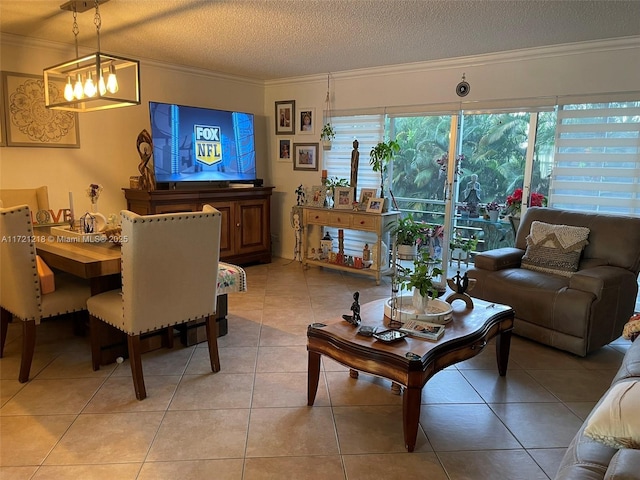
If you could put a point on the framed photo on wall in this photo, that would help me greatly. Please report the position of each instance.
(306, 120)
(284, 150)
(375, 205)
(343, 197)
(305, 156)
(28, 123)
(286, 117)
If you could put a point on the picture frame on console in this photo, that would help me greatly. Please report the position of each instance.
(365, 195)
(343, 198)
(375, 205)
(317, 196)
(285, 117)
(305, 156)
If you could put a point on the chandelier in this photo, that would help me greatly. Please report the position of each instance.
(98, 81)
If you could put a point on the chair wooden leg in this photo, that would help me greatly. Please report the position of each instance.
(167, 338)
(5, 320)
(28, 347)
(212, 342)
(96, 351)
(136, 366)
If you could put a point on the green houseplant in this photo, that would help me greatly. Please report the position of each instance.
(460, 248)
(407, 232)
(379, 158)
(420, 279)
(333, 182)
(327, 135)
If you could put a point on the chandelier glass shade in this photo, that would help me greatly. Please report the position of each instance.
(98, 81)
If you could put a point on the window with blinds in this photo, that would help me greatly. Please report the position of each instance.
(368, 130)
(597, 158)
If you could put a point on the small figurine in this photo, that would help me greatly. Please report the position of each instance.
(460, 284)
(300, 200)
(355, 309)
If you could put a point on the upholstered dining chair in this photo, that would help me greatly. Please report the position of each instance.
(169, 276)
(36, 198)
(20, 292)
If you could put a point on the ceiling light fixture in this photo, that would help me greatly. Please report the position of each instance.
(82, 80)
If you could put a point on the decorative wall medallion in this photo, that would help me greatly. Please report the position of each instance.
(462, 89)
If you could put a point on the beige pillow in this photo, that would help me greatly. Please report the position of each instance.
(554, 248)
(616, 421)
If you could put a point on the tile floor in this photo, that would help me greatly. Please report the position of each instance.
(250, 421)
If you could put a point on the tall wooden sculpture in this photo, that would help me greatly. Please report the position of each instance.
(147, 180)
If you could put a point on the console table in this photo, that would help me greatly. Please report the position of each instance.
(377, 223)
(245, 234)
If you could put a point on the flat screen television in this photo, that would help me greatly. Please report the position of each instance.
(192, 144)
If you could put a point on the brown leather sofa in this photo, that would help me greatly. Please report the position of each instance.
(586, 459)
(579, 313)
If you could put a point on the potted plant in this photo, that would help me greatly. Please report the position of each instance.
(379, 158)
(420, 279)
(407, 232)
(327, 135)
(460, 248)
(493, 210)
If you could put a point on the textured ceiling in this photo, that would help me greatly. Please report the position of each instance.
(271, 39)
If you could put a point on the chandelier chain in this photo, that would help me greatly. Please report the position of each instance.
(75, 29)
(97, 20)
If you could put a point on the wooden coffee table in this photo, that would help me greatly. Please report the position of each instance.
(410, 362)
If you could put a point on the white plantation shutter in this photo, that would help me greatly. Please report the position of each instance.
(368, 130)
(597, 158)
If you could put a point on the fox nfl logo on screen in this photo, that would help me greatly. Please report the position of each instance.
(208, 147)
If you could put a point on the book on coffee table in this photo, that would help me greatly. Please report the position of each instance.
(428, 330)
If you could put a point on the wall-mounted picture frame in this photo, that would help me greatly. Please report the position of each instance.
(284, 150)
(306, 120)
(286, 117)
(28, 123)
(305, 156)
(375, 205)
(316, 196)
(365, 195)
(343, 198)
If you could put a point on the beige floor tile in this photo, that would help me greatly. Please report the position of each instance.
(540, 425)
(465, 427)
(575, 385)
(369, 430)
(286, 302)
(449, 386)
(117, 394)
(232, 360)
(250, 302)
(122, 471)
(286, 390)
(394, 466)
(214, 390)
(288, 315)
(365, 390)
(276, 432)
(53, 397)
(492, 464)
(516, 386)
(332, 297)
(581, 409)
(201, 435)
(106, 438)
(283, 335)
(8, 388)
(244, 331)
(282, 359)
(294, 468)
(604, 358)
(10, 363)
(229, 469)
(534, 356)
(548, 458)
(17, 473)
(27, 440)
(74, 364)
(163, 361)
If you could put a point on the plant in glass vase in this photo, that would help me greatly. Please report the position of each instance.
(93, 192)
(331, 185)
(420, 279)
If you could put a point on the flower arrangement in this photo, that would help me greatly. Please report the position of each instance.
(493, 206)
(514, 201)
(93, 192)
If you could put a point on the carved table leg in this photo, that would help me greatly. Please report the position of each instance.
(313, 377)
(503, 345)
(411, 415)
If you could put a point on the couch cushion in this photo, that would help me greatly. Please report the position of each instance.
(554, 248)
(616, 420)
(624, 465)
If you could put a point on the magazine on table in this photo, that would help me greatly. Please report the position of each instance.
(428, 330)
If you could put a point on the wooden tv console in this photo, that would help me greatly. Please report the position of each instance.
(245, 236)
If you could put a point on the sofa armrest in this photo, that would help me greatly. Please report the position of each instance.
(499, 258)
(597, 279)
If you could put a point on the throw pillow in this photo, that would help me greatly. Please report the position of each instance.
(616, 421)
(554, 248)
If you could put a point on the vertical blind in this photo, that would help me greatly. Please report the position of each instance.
(597, 158)
(368, 130)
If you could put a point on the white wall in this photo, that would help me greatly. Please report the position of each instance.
(108, 153)
(577, 69)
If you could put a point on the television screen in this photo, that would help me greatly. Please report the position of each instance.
(192, 144)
